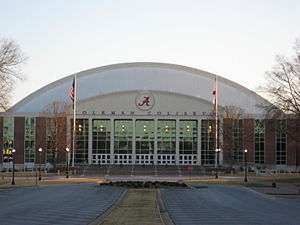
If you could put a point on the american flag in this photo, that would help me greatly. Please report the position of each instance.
(215, 92)
(72, 91)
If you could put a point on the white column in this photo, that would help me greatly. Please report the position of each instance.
(177, 142)
(199, 143)
(155, 142)
(133, 141)
(112, 140)
(90, 133)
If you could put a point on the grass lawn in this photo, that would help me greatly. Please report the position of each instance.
(138, 207)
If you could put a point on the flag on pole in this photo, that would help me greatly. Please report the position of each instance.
(72, 92)
(215, 92)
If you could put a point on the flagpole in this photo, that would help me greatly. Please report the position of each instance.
(216, 120)
(74, 122)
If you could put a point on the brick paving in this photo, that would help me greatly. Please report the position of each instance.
(62, 204)
(228, 205)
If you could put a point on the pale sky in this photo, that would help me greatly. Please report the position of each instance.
(236, 39)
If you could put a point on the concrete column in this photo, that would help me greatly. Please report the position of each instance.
(199, 142)
(133, 142)
(155, 142)
(90, 143)
(177, 141)
(112, 140)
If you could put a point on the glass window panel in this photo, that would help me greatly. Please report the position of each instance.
(207, 142)
(123, 137)
(101, 136)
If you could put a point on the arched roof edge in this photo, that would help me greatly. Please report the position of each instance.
(128, 65)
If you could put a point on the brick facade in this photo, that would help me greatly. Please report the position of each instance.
(249, 139)
(19, 127)
(227, 142)
(1, 137)
(270, 142)
(40, 138)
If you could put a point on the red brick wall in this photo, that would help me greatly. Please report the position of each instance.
(249, 139)
(62, 133)
(293, 139)
(227, 141)
(1, 137)
(270, 142)
(40, 138)
(298, 143)
(19, 127)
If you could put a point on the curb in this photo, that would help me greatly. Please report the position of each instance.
(102, 217)
(163, 213)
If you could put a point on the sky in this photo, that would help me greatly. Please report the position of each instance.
(235, 39)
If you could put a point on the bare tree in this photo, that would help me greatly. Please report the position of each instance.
(282, 89)
(56, 131)
(11, 58)
(231, 130)
(282, 84)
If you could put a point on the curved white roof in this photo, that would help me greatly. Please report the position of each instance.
(138, 77)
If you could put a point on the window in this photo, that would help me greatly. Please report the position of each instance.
(144, 136)
(144, 141)
(81, 140)
(208, 142)
(166, 136)
(259, 133)
(8, 138)
(29, 150)
(101, 136)
(123, 137)
(281, 141)
(188, 137)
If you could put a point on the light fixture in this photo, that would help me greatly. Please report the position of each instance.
(166, 128)
(209, 129)
(188, 128)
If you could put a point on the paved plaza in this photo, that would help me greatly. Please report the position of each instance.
(63, 204)
(228, 206)
(55, 201)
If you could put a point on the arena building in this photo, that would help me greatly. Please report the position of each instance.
(146, 114)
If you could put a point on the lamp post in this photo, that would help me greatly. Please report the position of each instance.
(40, 158)
(13, 170)
(67, 159)
(245, 161)
(217, 161)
